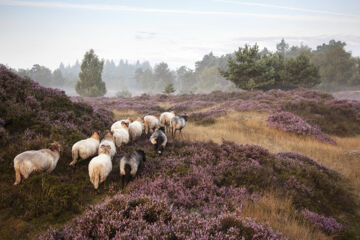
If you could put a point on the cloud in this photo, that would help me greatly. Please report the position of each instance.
(288, 8)
(123, 8)
(145, 35)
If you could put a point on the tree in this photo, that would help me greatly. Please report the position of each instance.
(90, 83)
(249, 70)
(169, 88)
(58, 79)
(162, 76)
(337, 66)
(301, 73)
(186, 79)
(41, 74)
(144, 79)
(282, 47)
(211, 80)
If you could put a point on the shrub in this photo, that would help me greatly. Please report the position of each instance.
(327, 224)
(292, 123)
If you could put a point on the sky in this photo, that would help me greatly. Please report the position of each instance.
(178, 32)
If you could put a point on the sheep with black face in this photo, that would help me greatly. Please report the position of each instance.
(177, 123)
(130, 165)
(159, 140)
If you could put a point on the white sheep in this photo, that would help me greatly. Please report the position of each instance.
(150, 124)
(40, 161)
(129, 165)
(165, 119)
(159, 140)
(100, 166)
(108, 140)
(85, 148)
(121, 135)
(177, 123)
(119, 124)
(136, 129)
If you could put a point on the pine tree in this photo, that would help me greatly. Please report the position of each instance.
(90, 83)
(169, 88)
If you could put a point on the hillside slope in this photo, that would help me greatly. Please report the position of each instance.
(32, 117)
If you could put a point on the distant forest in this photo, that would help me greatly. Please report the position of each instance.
(338, 69)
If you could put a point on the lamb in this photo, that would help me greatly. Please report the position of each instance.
(119, 124)
(165, 119)
(100, 166)
(150, 124)
(136, 129)
(177, 123)
(121, 135)
(85, 148)
(108, 140)
(40, 161)
(129, 165)
(159, 140)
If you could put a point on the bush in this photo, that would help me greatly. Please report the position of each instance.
(292, 123)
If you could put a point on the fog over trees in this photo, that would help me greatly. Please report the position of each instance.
(293, 66)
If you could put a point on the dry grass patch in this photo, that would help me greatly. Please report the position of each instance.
(251, 128)
(124, 114)
(282, 216)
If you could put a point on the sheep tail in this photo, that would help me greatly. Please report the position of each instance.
(17, 175)
(75, 156)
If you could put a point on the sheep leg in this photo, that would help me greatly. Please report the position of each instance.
(73, 162)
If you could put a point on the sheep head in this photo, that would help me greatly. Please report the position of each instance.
(55, 146)
(105, 149)
(95, 135)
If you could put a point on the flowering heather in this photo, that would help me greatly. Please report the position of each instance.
(196, 191)
(27, 105)
(291, 123)
(214, 112)
(333, 116)
(326, 224)
(32, 116)
(151, 218)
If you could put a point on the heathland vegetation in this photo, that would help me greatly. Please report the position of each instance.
(253, 164)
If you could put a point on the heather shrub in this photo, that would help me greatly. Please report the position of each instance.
(150, 218)
(337, 117)
(291, 123)
(327, 224)
(205, 186)
(207, 117)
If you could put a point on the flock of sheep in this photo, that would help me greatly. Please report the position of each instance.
(122, 132)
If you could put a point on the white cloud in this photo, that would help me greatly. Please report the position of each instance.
(288, 8)
(123, 8)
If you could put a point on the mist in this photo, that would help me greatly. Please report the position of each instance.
(338, 69)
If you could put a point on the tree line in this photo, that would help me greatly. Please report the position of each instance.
(328, 67)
